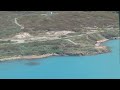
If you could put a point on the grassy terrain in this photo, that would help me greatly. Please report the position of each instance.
(36, 24)
(110, 33)
(85, 46)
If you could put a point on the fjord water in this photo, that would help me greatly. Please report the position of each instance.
(66, 67)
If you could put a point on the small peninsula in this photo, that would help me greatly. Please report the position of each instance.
(40, 34)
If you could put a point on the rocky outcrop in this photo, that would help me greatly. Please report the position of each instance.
(59, 33)
(22, 35)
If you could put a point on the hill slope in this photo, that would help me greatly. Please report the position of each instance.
(24, 33)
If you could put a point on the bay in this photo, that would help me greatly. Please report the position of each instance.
(101, 66)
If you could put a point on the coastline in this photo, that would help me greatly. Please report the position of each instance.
(29, 57)
(97, 46)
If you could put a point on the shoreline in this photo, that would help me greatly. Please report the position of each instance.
(97, 46)
(101, 41)
(29, 57)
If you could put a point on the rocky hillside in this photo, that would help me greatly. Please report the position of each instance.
(24, 33)
(36, 22)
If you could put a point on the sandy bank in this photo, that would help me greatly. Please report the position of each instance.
(28, 57)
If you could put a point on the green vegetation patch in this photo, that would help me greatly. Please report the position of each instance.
(110, 33)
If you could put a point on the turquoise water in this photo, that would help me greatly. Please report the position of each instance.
(66, 67)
